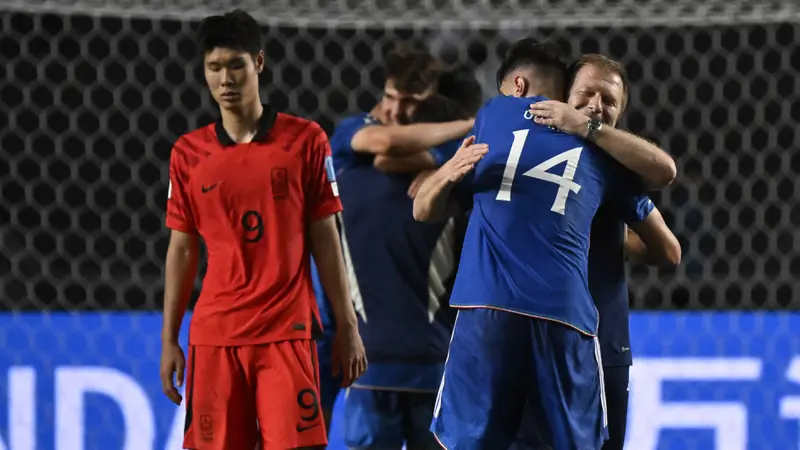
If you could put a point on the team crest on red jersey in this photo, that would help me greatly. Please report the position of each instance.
(206, 427)
(280, 182)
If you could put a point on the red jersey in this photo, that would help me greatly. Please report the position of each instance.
(252, 205)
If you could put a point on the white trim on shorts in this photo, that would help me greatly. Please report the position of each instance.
(599, 358)
(438, 405)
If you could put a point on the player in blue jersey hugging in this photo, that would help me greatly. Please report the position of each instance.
(598, 89)
(524, 356)
(399, 270)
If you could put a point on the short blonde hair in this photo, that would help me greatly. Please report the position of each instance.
(603, 63)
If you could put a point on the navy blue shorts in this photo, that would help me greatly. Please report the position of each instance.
(616, 381)
(329, 386)
(512, 379)
(385, 420)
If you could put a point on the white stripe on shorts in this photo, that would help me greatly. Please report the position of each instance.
(599, 359)
(438, 405)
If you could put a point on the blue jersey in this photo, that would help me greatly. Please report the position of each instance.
(534, 195)
(607, 282)
(401, 270)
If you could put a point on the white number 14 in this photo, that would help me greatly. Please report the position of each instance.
(564, 182)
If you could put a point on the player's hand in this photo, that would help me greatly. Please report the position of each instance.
(348, 355)
(418, 180)
(464, 160)
(173, 364)
(561, 116)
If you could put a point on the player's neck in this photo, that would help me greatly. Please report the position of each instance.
(241, 123)
(546, 94)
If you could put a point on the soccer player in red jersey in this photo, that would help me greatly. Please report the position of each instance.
(259, 188)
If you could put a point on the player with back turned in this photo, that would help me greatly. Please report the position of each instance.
(524, 343)
(598, 90)
(255, 187)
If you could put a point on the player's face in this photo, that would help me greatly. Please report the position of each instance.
(399, 107)
(598, 93)
(232, 76)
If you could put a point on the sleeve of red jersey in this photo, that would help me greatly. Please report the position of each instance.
(322, 194)
(179, 213)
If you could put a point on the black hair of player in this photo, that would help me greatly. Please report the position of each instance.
(235, 30)
(461, 86)
(412, 68)
(437, 108)
(545, 56)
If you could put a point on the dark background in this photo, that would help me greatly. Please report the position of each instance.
(91, 107)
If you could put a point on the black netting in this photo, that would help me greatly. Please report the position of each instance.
(92, 105)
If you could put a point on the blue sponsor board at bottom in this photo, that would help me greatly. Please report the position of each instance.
(710, 381)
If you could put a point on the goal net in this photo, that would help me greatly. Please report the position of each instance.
(95, 92)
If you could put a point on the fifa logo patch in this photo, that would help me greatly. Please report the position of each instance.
(331, 175)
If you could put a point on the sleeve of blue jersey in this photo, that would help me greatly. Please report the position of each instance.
(442, 153)
(636, 208)
(344, 132)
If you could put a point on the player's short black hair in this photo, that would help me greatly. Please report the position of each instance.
(461, 86)
(437, 108)
(235, 30)
(545, 56)
(412, 68)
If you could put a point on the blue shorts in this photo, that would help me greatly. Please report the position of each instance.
(385, 420)
(329, 386)
(508, 375)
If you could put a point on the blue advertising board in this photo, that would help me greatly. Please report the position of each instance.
(711, 381)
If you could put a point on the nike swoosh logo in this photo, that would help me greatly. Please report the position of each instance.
(207, 189)
(300, 429)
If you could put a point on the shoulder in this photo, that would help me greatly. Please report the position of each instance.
(346, 129)
(508, 102)
(198, 137)
(504, 112)
(490, 104)
(355, 122)
(296, 129)
(194, 145)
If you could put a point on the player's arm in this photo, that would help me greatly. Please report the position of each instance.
(396, 140)
(180, 271)
(655, 167)
(327, 252)
(181, 268)
(322, 205)
(415, 162)
(418, 162)
(651, 242)
(433, 200)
